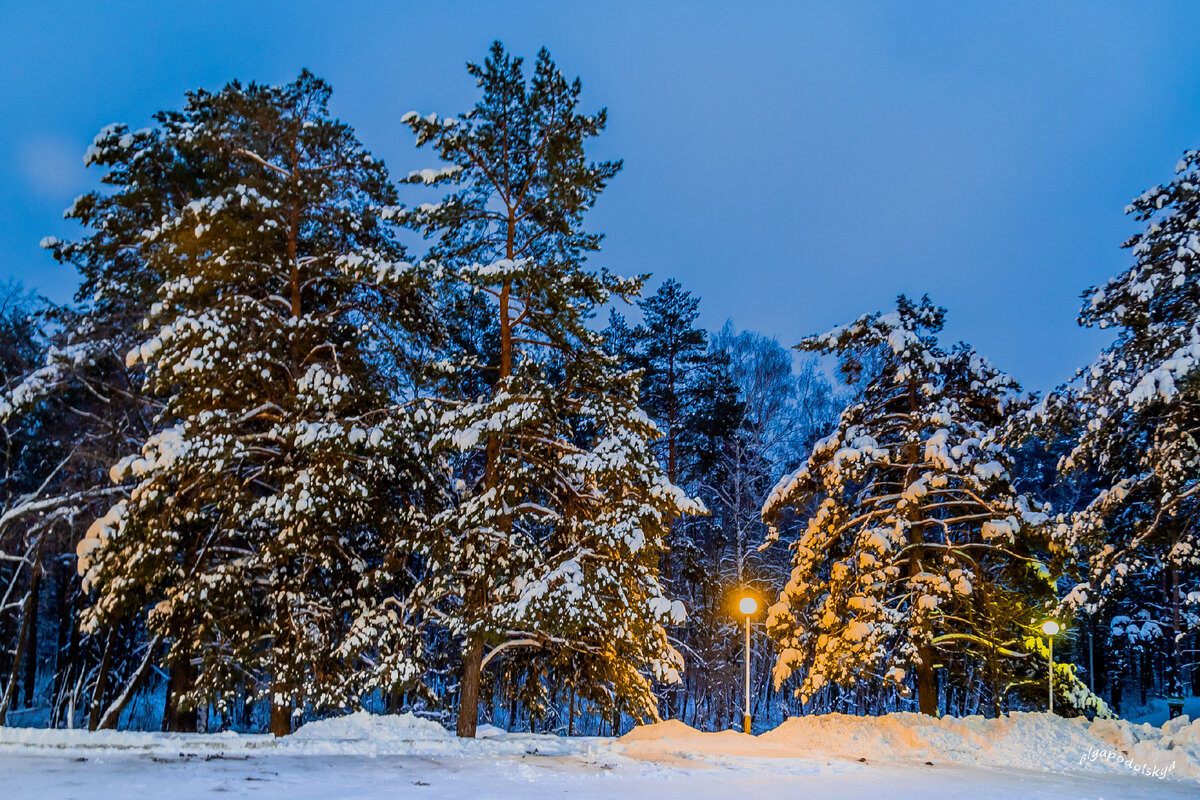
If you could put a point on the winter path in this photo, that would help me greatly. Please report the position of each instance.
(126, 775)
(373, 757)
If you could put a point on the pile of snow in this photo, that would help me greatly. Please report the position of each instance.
(667, 729)
(672, 737)
(814, 744)
(77, 741)
(1019, 741)
(1174, 742)
(364, 726)
(357, 734)
(486, 731)
(364, 733)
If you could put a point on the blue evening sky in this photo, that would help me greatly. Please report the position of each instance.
(793, 164)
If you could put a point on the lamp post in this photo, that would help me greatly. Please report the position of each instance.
(1050, 628)
(747, 606)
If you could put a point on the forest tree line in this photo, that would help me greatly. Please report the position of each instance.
(299, 447)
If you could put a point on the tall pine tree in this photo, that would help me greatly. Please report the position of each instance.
(1137, 410)
(919, 547)
(553, 543)
(279, 497)
(673, 349)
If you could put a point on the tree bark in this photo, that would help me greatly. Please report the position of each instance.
(468, 691)
(31, 648)
(1118, 674)
(22, 635)
(180, 682)
(472, 669)
(927, 700)
(11, 687)
(1175, 683)
(281, 711)
(110, 645)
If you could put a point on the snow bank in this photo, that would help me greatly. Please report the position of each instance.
(667, 729)
(1174, 742)
(1019, 741)
(360, 733)
(672, 737)
(363, 726)
(894, 737)
(486, 731)
(32, 739)
(815, 744)
(357, 734)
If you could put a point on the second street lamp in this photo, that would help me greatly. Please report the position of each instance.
(1050, 628)
(747, 606)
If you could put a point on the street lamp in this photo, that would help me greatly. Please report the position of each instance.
(1050, 628)
(748, 605)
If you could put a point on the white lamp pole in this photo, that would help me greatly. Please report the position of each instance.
(1050, 627)
(747, 606)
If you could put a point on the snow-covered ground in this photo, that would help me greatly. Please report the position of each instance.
(835, 756)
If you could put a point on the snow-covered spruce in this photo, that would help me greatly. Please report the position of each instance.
(279, 496)
(1136, 411)
(84, 405)
(549, 555)
(917, 549)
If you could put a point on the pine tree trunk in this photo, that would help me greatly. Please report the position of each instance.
(22, 640)
(468, 691)
(22, 635)
(31, 647)
(110, 645)
(672, 467)
(1091, 637)
(281, 712)
(1175, 683)
(994, 678)
(927, 699)
(5, 653)
(1144, 675)
(247, 706)
(1117, 676)
(180, 682)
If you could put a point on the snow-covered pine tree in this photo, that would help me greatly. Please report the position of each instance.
(280, 493)
(673, 349)
(93, 401)
(1137, 410)
(28, 459)
(554, 540)
(688, 392)
(919, 547)
(621, 340)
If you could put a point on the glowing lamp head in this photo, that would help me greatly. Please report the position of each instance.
(748, 605)
(1050, 627)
